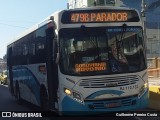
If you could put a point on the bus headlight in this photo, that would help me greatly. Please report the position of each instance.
(143, 89)
(67, 91)
(75, 95)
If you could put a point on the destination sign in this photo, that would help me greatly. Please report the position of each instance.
(99, 16)
(88, 67)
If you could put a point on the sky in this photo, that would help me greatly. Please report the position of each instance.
(18, 15)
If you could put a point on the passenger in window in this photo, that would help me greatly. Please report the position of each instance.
(75, 57)
(75, 45)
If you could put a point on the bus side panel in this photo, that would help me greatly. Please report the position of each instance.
(29, 79)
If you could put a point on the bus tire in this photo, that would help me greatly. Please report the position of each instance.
(18, 94)
(44, 100)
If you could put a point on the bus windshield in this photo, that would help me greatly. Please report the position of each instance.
(101, 50)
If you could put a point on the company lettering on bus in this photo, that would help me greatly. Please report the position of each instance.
(99, 16)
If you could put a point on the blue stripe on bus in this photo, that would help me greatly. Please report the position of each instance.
(102, 92)
(72, 107)
(29, 79)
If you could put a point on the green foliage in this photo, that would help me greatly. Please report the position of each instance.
(3, 79)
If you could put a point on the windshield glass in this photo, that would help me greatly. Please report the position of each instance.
(107, 50)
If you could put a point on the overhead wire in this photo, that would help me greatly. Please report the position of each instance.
(12, 25)
(6, 24)
(2, 20)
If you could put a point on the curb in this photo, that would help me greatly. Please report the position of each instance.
(154, 97)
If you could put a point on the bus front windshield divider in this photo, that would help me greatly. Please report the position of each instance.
(119, 41)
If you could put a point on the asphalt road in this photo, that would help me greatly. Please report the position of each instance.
(9, 104)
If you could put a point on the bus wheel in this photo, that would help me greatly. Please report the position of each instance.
(18, 94)
(44, 100)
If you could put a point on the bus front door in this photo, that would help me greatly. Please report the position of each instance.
(52, 69)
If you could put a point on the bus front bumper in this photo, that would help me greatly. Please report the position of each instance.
(72, 107)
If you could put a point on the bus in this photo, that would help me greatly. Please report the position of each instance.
(84, 60)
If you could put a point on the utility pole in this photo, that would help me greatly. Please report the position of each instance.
(143, 15)
(143, 8)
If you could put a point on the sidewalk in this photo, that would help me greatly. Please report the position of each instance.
(154, 93)
(154, 81)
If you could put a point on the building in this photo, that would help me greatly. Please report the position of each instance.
(2, 65)
(88, 3)
(152, 18)
(152, 12)
(1, 61)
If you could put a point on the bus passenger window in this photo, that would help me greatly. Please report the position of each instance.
(25, 49)
(41, 44)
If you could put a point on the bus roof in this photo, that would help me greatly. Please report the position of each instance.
(47, 20)
(103, 7)
(33, 28)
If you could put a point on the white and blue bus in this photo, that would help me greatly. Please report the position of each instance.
(84, 60)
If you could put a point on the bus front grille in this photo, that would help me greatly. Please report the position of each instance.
(121, 102)
(108, 81)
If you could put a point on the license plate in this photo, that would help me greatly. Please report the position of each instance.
(112, 105)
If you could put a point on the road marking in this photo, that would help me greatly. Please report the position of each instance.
(4, 85)
(138, 118)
